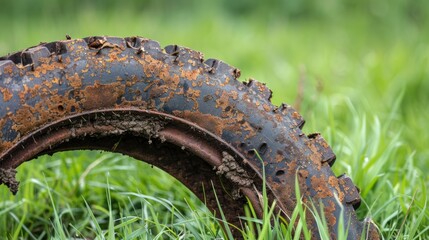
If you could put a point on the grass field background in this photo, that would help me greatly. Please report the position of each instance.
(357, 72)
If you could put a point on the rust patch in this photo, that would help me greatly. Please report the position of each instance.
(223, 101)
(279, 157)
(191, 75)
(217, 124)
(114, 56)
(211, 123)
(193, 95)
(5, 145)
(8, 69)
(7, 94)
(75, 81)
(303, 173)
(102, 95)
(28, 117)
(329, 213)
(319, 185)
(333, 182)
(24, 115)
(46, 67)
(152, 67)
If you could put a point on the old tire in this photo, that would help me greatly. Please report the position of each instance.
(168, 107)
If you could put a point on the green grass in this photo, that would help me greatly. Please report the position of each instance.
(361, 80)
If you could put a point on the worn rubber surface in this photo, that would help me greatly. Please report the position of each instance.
(169, 107)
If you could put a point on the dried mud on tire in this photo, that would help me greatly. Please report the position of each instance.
(170, 108)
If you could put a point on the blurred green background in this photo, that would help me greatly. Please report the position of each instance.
(358, 71)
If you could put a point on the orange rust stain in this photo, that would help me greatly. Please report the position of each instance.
(164, 72)
(193, 95)
(318, 184)
(197, 83)
(323, 143)
(266, 107)
(191, 75)
(292, 166)
(246, 127)
(23, 92)
(279, 158)
(286, 192)
(48, 84)
(131, 81)
(175, 80)
(113, 56)
(223, 101)
(137, 103)
(102, 95)
(8, 69)
(55, 80)
(67, 60)
(316, 155)
(28, 118)
(5, 146)
(30, 92)
(329, 213)
(296, 115)
(2, 123)
(234, 95)
(333, 182)
(303, 173)
(224, 83)
(278, 117)
(36, 74)
(7, 94)
(75, 81)
(158, 90)
(217, 124)
(152, 66)
(26, 114)
(46, 67)
(211, 123)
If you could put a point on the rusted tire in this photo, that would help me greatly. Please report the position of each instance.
(170, 108)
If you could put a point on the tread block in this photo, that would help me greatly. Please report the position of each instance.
(142, 44)
(53, 47)
(100, 42)
(184, 55)
(323, 147)
(219, 67)
(352, 195)
(8, 67)
(34, 55)
(15, 57)
(260, 88)
(116, 41)
(288, 110)
(69, 46)
(172, 50)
